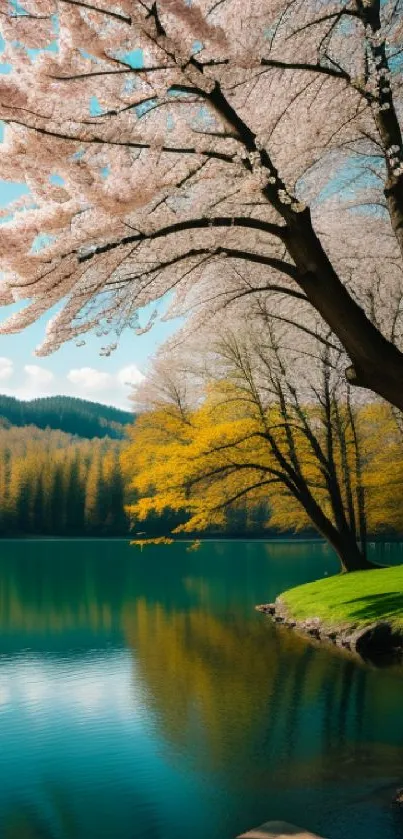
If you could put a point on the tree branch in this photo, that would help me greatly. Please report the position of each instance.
(245, 492)
(191, 224)
(311, 68)
(136, 70)
(92, 8)
(259, 259)
(227, 158)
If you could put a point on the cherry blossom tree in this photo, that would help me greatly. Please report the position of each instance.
(213, 149)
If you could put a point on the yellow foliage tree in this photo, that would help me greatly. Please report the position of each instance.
(312, 453)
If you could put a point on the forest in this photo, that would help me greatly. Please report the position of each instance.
(65, 413)
(54, 483)
(59, 468)
(221, 465)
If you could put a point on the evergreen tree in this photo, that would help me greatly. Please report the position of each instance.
(95, 500)
(38, 511)
(117, 522)
(56, 507)
(23, 504)
(53, 483)
(71, 415)
(75, 497)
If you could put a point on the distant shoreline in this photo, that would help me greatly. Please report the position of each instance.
(216, 538)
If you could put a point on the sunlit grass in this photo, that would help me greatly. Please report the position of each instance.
(353, 599)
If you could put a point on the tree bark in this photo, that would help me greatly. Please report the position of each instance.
(344, 544)
(376, 363)
(386, 118)
(349, 553)
(352, 558)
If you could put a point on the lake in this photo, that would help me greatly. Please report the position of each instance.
(142, 697)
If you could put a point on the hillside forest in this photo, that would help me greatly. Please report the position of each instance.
(65, 413)
(60, 473)
(59, 468)
(53, 483)
(161, 474)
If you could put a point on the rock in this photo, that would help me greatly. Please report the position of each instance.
(375, 640)
(268, 608)
(329, 634)
(378, 642)
(398, 799)
(278, 830)
(311, 627)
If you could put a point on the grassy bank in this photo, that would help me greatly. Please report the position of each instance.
(350, 600)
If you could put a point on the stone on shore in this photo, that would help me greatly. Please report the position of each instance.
(398, 799)
(278, 830)
(376, 642)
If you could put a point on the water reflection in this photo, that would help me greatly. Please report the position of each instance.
(26, 823)
(246, 693)
(136, 691)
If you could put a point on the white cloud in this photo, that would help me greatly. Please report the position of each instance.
(112, 388)
(130, 375)
(33, 381)
(30, 382)
(39, 377)
(6, 368)
(88, 378)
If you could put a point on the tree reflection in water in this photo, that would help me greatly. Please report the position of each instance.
(233, 692)
(249, 712)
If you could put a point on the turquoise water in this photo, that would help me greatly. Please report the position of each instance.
(142, 697)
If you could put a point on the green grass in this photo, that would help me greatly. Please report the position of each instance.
(351, 600)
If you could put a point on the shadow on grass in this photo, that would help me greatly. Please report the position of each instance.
(377, 606)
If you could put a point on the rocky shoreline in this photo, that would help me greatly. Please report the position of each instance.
(378, 642)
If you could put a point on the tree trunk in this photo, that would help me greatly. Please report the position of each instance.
(352, 558)
(350, 554)
(386, 118)
(389, 130)
(344, 544)
(376, 363)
